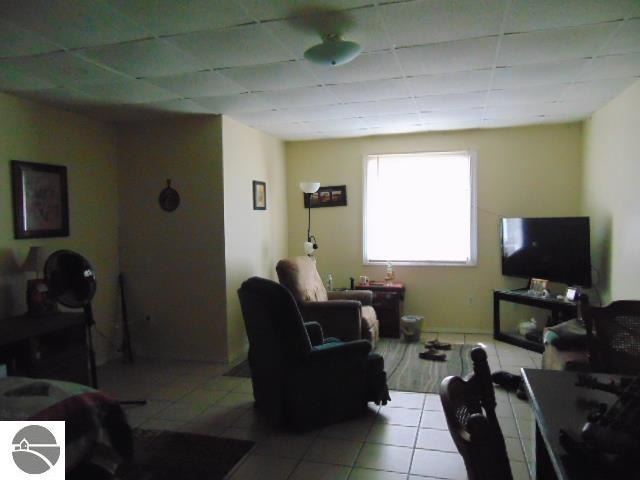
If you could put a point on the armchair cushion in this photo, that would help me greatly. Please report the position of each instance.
(365, 297)
(301, 277)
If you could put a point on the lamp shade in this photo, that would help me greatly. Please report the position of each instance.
(333, 51)
(309, 187)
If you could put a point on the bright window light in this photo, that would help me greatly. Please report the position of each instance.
(420, 208)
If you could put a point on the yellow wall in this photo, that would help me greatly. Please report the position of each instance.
(36, 133)
(254, 239)
(529, 171)
(612, 195)
(174, 263)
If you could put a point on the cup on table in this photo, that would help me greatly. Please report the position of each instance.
(363, 280)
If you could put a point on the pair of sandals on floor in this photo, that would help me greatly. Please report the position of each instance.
(433, 351)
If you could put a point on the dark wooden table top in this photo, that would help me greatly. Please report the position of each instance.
(558, 404)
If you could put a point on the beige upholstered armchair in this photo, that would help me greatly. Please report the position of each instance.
(347, 315)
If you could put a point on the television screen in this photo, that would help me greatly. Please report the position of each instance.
(556, 249)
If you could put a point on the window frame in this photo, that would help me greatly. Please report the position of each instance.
(473, 230)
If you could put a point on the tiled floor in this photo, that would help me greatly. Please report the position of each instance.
(407, 439)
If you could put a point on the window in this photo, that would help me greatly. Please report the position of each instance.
(419, 208)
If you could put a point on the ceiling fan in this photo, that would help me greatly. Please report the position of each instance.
(331, 25)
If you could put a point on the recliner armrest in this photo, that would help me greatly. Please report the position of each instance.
(365, 297)
(356, 348)
(338, 318)
(314, 330)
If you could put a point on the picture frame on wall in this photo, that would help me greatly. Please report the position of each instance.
(259, 195)
(40, 200)
(333, 196)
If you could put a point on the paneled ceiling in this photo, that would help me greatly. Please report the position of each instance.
(426, 64)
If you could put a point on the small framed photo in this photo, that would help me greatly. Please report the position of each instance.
(572, 294)
(538, 286)
(259, 195)
(40, 200)
(335, 196)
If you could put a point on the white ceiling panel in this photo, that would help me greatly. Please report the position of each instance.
(458, 56)
(453, 125)
(179, 105)
(300, 97)
(553, 45)
(15, 41)
(393, 119)
(384, 107)
(63, 69)
(274, 76)
(199, 84)
(526, 15)
(538, 74)
(457, 101)
(371, 90)
(612, 66)
(72, 23)
(524, 95)
(234, 47)
(626, 39)
(459, 82)
(132, 91)
(145, 58)
(259, 119)
(12, 80)
(244, 102)
(337, 124)
(465, 115)
(285, 8)
(368, 66)
(600, 89)
(323, 112)
(429, 21)
(516, 111)
(169, 17)
(515, 121)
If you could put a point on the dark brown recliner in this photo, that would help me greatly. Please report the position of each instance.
(347, 315)
(298, 379)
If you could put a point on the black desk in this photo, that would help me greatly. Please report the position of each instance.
(560, 310)
(558, 404)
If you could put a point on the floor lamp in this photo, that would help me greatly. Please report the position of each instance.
(310, 246)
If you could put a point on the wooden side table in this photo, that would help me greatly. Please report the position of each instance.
(388, 301)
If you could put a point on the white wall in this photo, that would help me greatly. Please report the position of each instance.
(612, 193)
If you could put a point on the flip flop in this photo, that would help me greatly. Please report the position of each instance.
(435, 344)
(433, 354)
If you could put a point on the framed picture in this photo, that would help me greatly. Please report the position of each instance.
(40, 200)
(538, 287)
(334, 196)
(259, 195)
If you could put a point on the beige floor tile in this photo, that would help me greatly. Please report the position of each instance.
(509, 427)
(333, 450)
(204, 429)
(431, 463)
(219, 416)
(260, 467)
(350, 430)
(451, 337)
(151, 408)
(179, 411)
(284, 445)
(161, 424)
(245, 386)
(393, 435)
(204, 397)
(399, 416)
(319, 471)
(385, 457)
(514, 449)
(253, 434)
(433, 419)
(368, 474)
(520, 471)
(433, 403)
(235, 400)
(522, 410)
(227, 384)
(406, 399)
(431, 439)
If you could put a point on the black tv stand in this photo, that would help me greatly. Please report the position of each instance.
(560, 310)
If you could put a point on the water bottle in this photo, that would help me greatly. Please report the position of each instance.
(329, 282)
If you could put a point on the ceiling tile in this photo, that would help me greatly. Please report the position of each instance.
(300, 97)
(626, 40)
(515, 121)
(458, 56)
(132, 91)
(12, 79)
(168, 17)
(229, 104)
(15, 42)
(146, 58)
(285, 8)
(368, 66)
(524, 95)
(612, 66)
(72, 23)
(465, 115)
(538, 74)
(429, 21)
(267, 117)
(553, 45)
(456, 101)
(384, 107)
(371, 90)
(62, 69)
(337, 124)
(199, 84)
(452, 125)
(275, 76)
(516, 111)
(320, 112)
(234, 47)
(526, 15)
(600, 89)
(179, 105)
(459, 82)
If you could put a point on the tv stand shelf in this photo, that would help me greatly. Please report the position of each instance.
(560, 310)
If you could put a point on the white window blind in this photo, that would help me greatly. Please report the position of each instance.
(420, 208)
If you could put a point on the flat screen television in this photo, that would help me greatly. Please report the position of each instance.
(555, 248)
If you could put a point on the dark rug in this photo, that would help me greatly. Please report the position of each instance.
(162, 455)
(407, 372)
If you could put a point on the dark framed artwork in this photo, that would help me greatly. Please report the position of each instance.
(40, 200)
(259, 195)
(334, 196)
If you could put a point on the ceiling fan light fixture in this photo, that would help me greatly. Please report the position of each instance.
(333, 51)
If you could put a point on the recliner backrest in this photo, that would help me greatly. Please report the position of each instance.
(300, 275)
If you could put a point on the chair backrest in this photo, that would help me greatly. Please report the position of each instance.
(301, 277)
(614, 336)
(469, 407)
